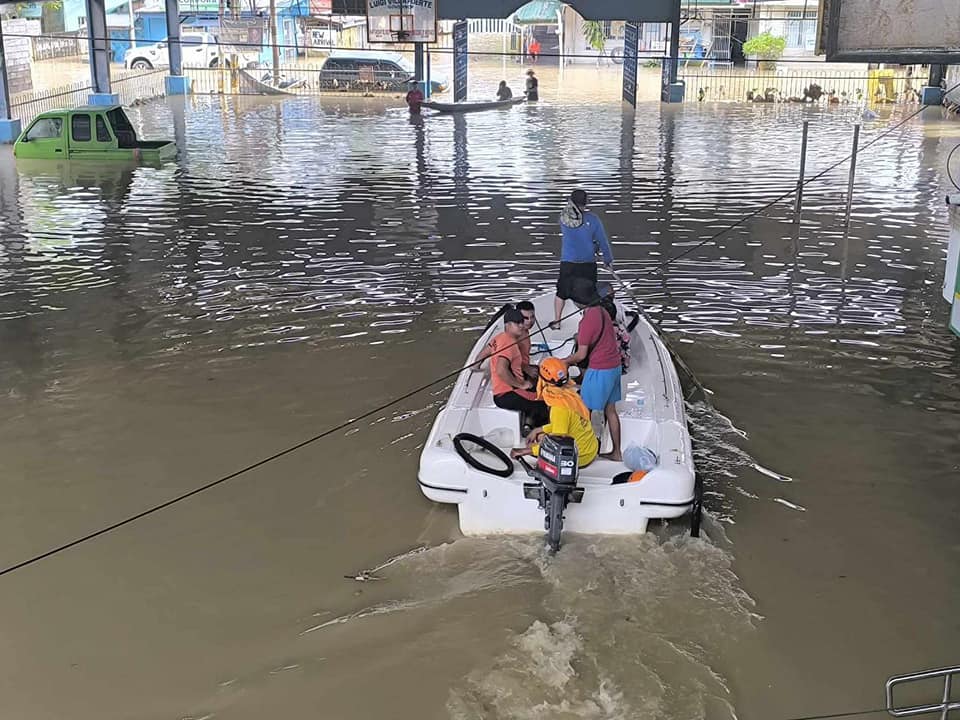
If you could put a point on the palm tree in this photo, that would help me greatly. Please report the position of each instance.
(594, 35)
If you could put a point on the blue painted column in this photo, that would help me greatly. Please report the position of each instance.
(176, 83)
(419, 66)
(9, 127)
(98, 44)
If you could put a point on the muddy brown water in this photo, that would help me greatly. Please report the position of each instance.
(306, 260)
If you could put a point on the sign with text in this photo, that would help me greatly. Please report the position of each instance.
(246, 32)
(631, 41)
(461, 60)
(402, 21)
(665, 80)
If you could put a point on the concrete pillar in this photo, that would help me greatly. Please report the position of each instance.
(9, 128)
(675, 42)
(98, 43)
(176, 83)
(419, 65)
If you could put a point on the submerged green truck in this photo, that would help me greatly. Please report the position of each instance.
(89, 133)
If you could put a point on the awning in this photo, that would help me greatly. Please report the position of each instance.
(538, 12)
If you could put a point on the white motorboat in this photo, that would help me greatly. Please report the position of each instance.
(501, 498)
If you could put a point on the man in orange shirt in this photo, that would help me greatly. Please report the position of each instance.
(512, 390)
(534, 49)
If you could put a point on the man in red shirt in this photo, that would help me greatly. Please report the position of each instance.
(597, 344)
(414, 97)
(534, 49)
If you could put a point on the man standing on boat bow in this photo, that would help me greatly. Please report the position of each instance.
(583, 239)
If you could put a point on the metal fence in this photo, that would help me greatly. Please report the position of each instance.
(785, 85)
(25, 106)
(137, 86)
(131, 86)
(299, 79)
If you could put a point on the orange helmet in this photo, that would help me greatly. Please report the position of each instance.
(554, 371)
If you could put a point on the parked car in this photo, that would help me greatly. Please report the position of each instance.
(197, 50)
(372, 70)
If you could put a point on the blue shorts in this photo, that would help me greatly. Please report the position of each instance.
(600, 388)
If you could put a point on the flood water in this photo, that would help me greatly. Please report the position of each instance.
(306, 260)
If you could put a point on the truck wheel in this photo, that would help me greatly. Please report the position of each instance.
(141, 64)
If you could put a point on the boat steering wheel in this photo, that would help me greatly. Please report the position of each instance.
(469, 459)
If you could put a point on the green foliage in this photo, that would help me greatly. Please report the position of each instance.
(765, 47)
(594, 35)
(48, 5)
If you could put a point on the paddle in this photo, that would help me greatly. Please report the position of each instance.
(674, 355)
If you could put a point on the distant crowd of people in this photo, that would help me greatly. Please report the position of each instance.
(415, 97)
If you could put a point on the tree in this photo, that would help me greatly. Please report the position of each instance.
(594, 35)
(765, 47)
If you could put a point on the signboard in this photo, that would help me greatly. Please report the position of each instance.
(951, 278)
(460, 61)
(893, 31)
(248, 33)
(321, 7)
(402, 21)
(631, 39)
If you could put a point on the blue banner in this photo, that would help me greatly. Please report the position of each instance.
(631, 38)
(460, 61)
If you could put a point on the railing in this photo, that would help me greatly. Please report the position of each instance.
(25, 106)
(944, 707)
(782, 84)
(131, 85)
(301, 79)
(493, 26)
(136, 86)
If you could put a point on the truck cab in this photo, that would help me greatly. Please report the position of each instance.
(198, 49)
(96, 132)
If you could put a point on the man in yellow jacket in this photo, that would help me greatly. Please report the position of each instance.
(568, 414)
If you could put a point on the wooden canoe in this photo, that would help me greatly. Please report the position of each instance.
(472, 107)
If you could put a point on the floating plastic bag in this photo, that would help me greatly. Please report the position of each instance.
(639, 458)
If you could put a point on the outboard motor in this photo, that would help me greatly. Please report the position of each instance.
(556, 475)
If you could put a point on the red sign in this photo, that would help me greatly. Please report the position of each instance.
(321, 7)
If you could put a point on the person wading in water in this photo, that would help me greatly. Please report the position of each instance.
(583, 238)
(533, 86)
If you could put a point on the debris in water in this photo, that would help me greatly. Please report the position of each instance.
(370, 575)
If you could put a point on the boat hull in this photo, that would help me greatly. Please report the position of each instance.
(652, 415)
(472, 107)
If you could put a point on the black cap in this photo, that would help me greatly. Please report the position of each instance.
(513, 316)
(583, 291)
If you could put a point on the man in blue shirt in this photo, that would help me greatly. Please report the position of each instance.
(583, 239)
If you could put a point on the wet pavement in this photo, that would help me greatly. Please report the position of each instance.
(306, 260)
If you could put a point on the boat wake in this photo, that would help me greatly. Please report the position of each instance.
(610, 627)
(633, 628)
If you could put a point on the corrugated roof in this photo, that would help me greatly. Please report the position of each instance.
(538, 12)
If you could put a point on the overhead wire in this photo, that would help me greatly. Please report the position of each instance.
(394, 401)
(400, 51)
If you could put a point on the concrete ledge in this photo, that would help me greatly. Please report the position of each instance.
(103, 99)
(177, 85)
(9, 131)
